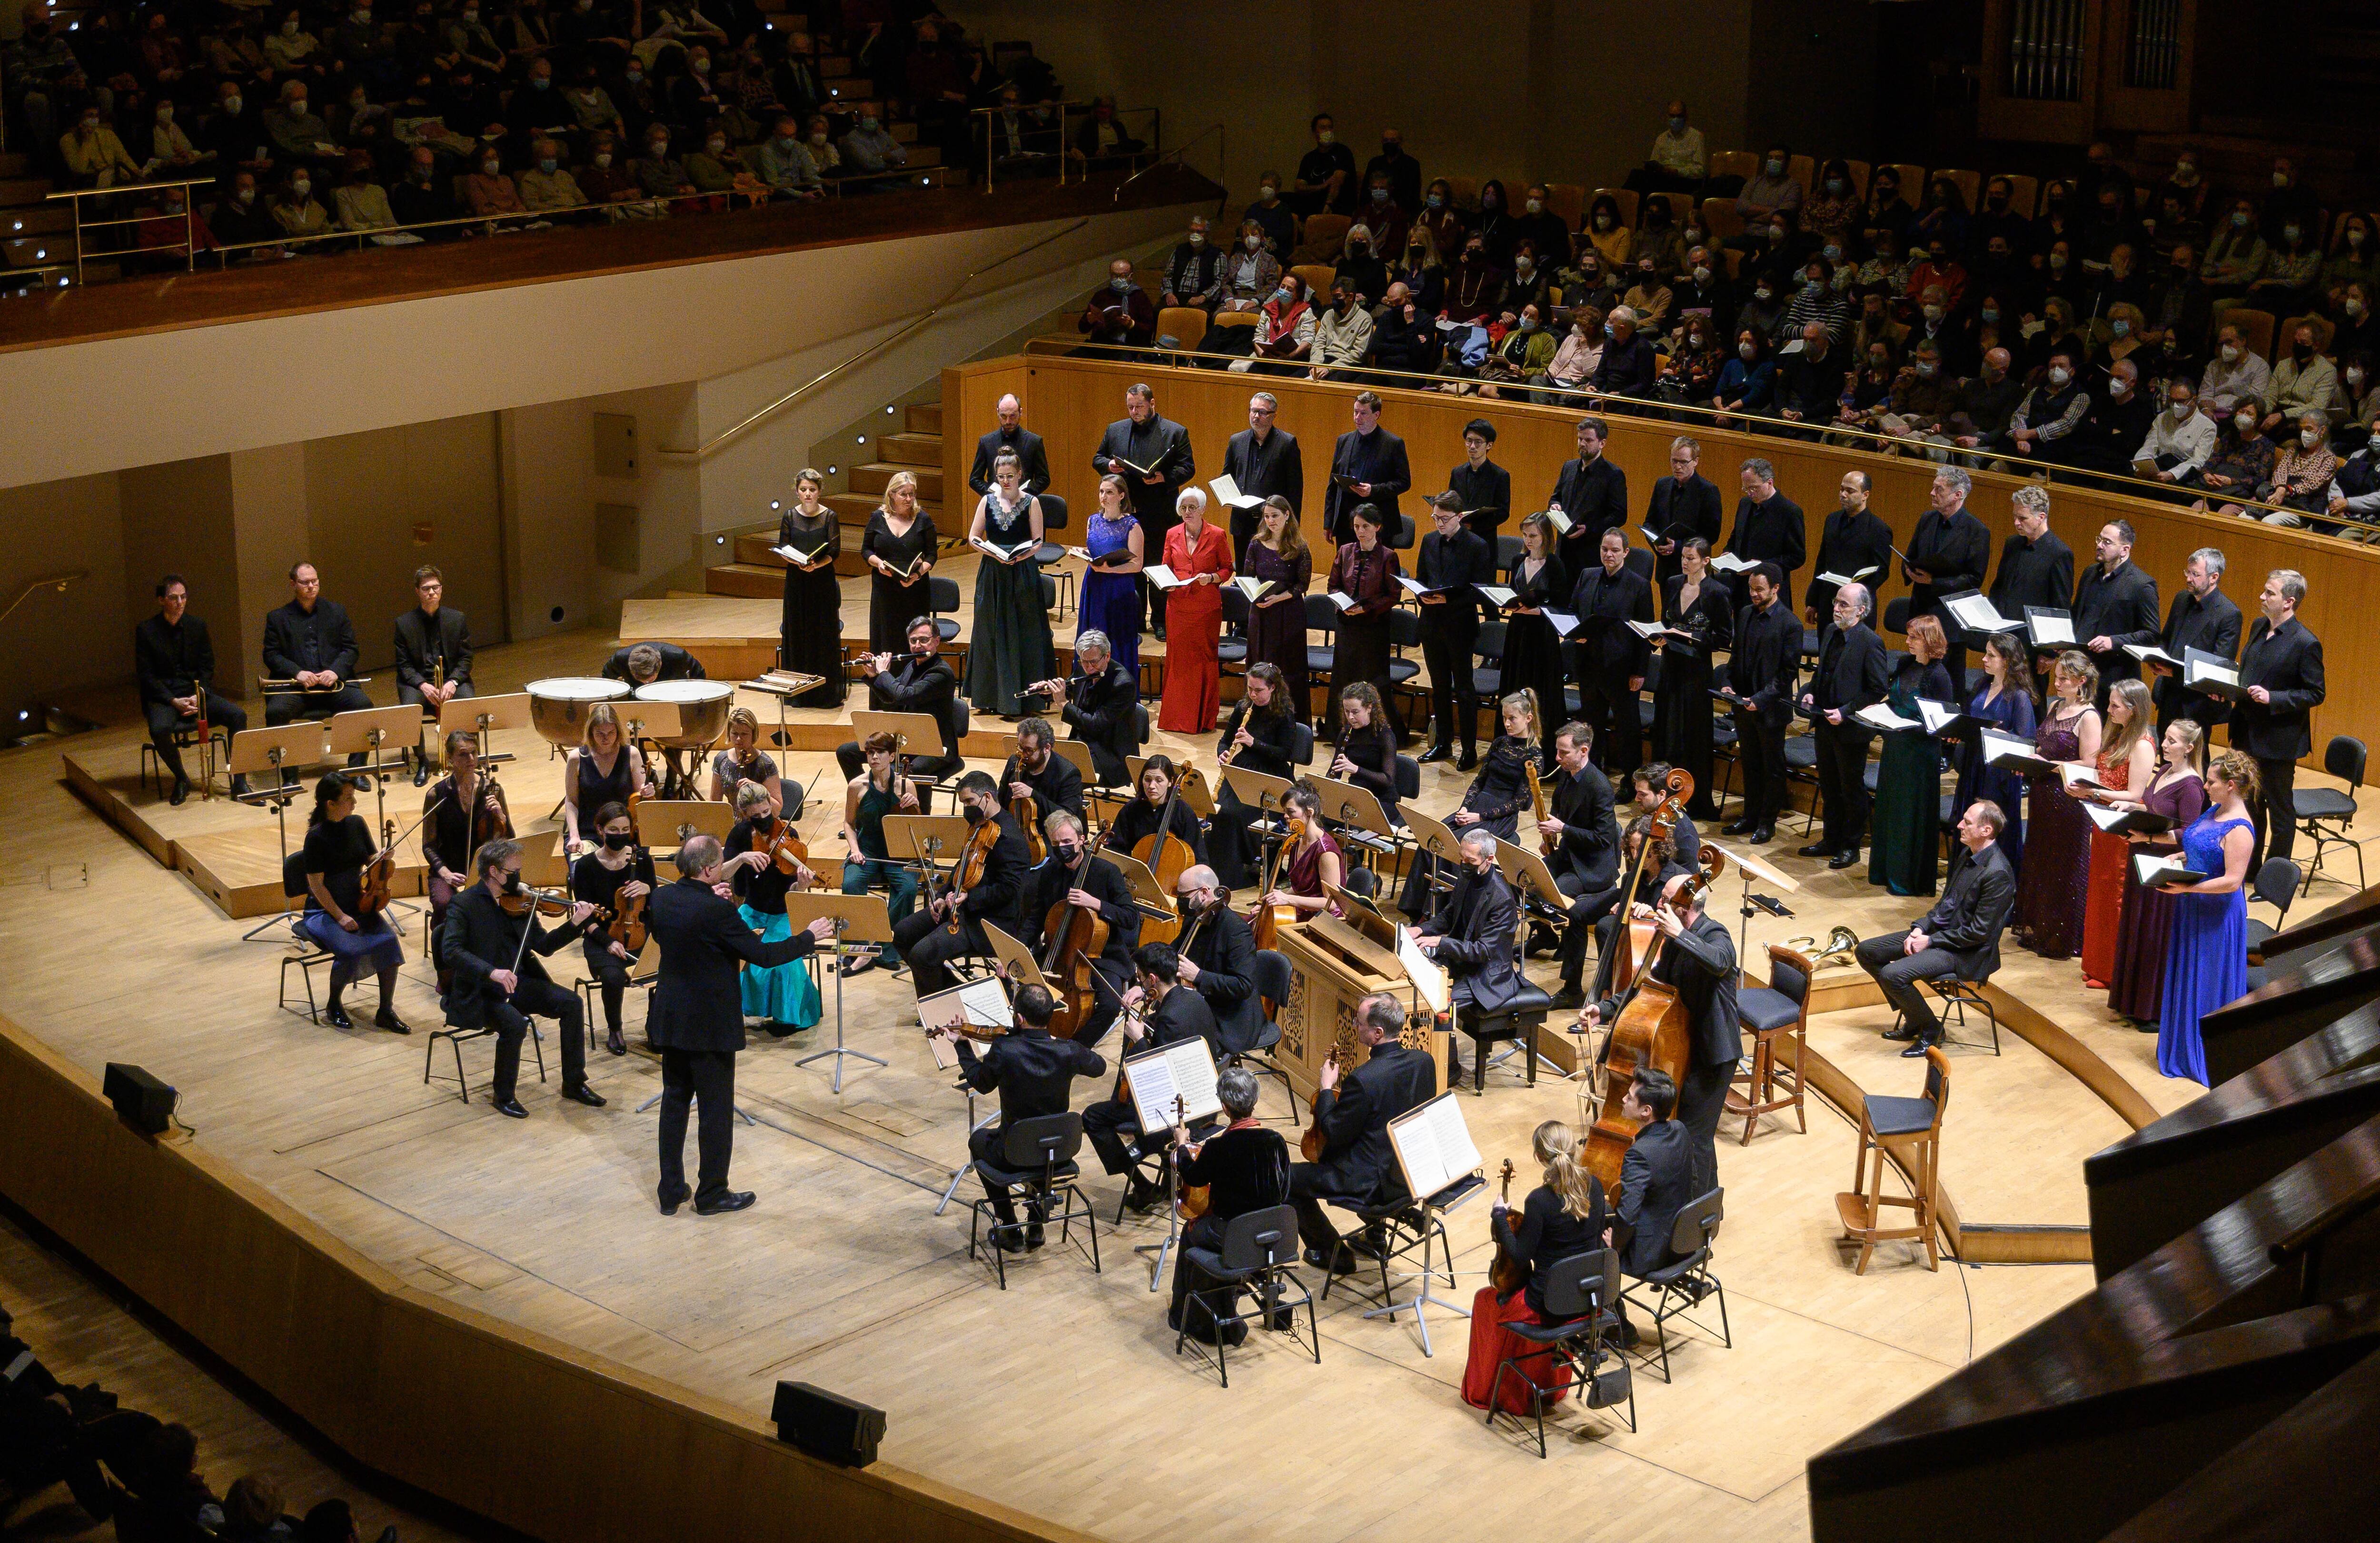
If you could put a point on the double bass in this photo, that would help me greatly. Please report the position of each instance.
(1631, 938)
(1077, 935)
(1652, 1029)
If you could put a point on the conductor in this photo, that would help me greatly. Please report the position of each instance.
(698, 1019)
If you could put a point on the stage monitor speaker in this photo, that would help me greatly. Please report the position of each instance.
(828, 1424)
(144, 1103)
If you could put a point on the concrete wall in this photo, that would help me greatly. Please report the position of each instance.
(54, 642)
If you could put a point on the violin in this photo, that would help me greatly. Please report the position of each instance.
(492, 816)
(1265, 922)
(545, 903)
(1028, 818)
(1166, 856)
(1077, 935)
(626, 920)
(973, 856)
(379, 873)
(1507, 1274)
(789, 852)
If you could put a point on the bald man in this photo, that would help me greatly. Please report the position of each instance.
(1012, 434)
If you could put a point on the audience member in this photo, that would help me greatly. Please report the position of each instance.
(1193, 275)
(1326, 174)
(1119, 312)
(1678, 161)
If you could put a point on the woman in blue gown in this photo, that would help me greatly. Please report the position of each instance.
(2206, 950)
(2004, 703)
(1110, 598)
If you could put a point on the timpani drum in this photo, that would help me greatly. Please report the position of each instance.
(558, 706)
(702, 708)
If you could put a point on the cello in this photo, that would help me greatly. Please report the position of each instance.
(1507, 1274)
(1077, 935)
(1165, 854)
(1265, 922)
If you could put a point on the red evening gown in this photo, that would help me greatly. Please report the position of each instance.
(2103, 914)
(1193, 625)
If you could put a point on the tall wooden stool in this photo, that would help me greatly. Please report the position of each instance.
(1910, 1131)
(1777, 1011)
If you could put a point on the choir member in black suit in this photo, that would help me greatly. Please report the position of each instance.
(1761, 673)
(1353, 1108)
(1101, 704)
(1033, 1072)
(952, 927)
(1037, 771)
(1585, 864)
(2036, 566)
(1243, 1167)
(1483, 489)
(1961, 934)
(2116, 603)
(920, 681)
(1062, 879)
(1852, 541)
(1697, 959)
(433, 656)
(1159, 1011)
(1368, 466)
(1263, 461)
(1685, 505)
(1160, 450)
(1946, 556)
(1454, 560)
(498, 979)
(1472, 933)
(1769, 527)
(2201, 617)
(1850, 676)
(1220, 961)
(2280, 668)
(1592, 494)
(174, 661)
(1012, 434)
(1657, 1181)
(1611, 656)
(1258, 736)
(310, 641)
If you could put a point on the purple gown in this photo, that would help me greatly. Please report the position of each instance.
(2138, 987)
(1111, 602)
(2055, 888)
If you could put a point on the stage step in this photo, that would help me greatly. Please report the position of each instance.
(18, 191)
(748, 580)
(926, 418)
(912, 449)
(37, 220)
(873, 477)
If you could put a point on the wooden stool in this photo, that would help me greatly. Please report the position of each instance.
(1910, 1131)
(1780, 1010)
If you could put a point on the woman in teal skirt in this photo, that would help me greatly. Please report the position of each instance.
(1907, 841)
(1011, 648)
(785, 998)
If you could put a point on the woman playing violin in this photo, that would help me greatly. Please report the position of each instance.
(742, 761)
(339, 845)
(784, 995)
(615, 872)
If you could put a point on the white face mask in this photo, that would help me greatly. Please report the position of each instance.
(1745, 351)
(2060, 377)
(602, 157)
(2245, 423)
(2309, 437)
(2355, 374)
(1197, 238)
(2230, 352)
(492, 166)
(166, 112)
(1702, 276)
(1327, 136)
(231, 105)
(1536, 206)
(301, 186)
(1252, 242)
(2180, 411)
(717, 147)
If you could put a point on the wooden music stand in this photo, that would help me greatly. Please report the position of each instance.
(484, 716)
(657, 817)
(542, 865)
(267, 754)
(919, 733)
(1023, 968)
(1197, 791)
(1350, 805)
(1260, 791)
(365, 732)
(1071, 750)
(906, 836)
(1527, 872)
(1146, 891)
(645, 721)
(863, 918)
(1435, 838)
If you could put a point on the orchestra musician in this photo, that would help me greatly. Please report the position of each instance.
(1585, 861)
(433, 656)
(1038, 772)
(174, 659)
(1648, 789)
(1260, 737)
(615, 872)
(1358, 1168)
(605, 769)
(1560, 1218)
(2205, 618)
(878, 791)
(1961, 935)
(1471, 934)
(952, 927)
(1136, 821)
(1245, 1168)
(1452, 562)
(1367, 753)
(1032, 1071)
(643, 663)
(1159, 1011)
(1102, 888)
(698, 1019)
(920, 681)
(1314, 862)
(1657, 1182)
(1220, 963)
(1662, 865)
(454, 808)
(784, 997)
(1850, 678)
(497, 981)
(311, 642)
(1099, 702)
(1761, 675)
(1697, 959)
(338, 845)
(742, 761)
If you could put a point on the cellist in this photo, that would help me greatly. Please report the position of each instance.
(1219, 957)
(1696, 959)
(1060, 881)
(952, 927)
(1038, 772)
(615, 872)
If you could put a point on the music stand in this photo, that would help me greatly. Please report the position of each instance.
(1751, 866)
(484, 716)
(1071, 750)
(364, 731)
(1147, 892)
(1195, 790)
(1260, 791)
(916, 731)
(680, 817)
(861, 917)
(1023, 968)
(909, 838)
(1527, 870)
(259, 751)
(542, 862)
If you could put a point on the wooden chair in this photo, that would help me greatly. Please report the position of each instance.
(1233, 319)
(1324, 238)
(1803, 169)
(1680, 205)
(1316, 277)
(1467, 192)
(1720, 219)
(1779, 1010)
(1185, 324)
(1745, 163)
(2323, 329)
(1625, 197)
(2024, 193)
(1910, 1131)
(1912, 181)
(1969, 185)
(1860, 170)
(2256, 328)
(1567, 199)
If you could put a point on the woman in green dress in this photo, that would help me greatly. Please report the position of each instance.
(1907, 843)
(1010, 649)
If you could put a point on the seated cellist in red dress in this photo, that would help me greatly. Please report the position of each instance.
(1562, 1217)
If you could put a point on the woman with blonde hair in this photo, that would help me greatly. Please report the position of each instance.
(742, 761)
(900, 544)
(1564, 1216)
(2207, 952)
(2127, 760)
(605, 769)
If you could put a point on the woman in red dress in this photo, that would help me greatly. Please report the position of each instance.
(1200, 555)
(1562, 1217)
(2127, 760)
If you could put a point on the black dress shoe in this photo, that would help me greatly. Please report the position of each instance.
(1339, 1263)
(1900, 1031)
(1467, 761)
(1008, 1237)
(1735, 828)
(615, 1043)
(1160, 632)
(420, 771)
(239, 786)
(1570, 998)
(1918, 1049)
(511, 1109)
(336, 1017)
(670, 1199)
(1142, 1198)
(734, 1200)
(181, 793)
(1816, 849)
(387, 1019)
(1436, 752)
(1033, 1238)
(1843, 860)
(579, 1093)
(1761, 835)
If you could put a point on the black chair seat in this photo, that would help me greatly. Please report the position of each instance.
(1486, 680)
(1211, 1260)
(1802, 753)
(2324, 803)
(1677, 1268)
(1400, 670)
(1891, 1116)
(1020, 1178)
(1723, 732)
(1321, 659)
(1762, 1007)
(1233, 650)
(1051, 552)
(1551, 1333)
(2258, 931)
(1531, 1000)
(1645, 712)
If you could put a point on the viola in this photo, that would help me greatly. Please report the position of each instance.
(973, 856)
(1195, 1199)
(491, 817)
(628, 927)
(379, 873)
(545, 903)
(791, 853)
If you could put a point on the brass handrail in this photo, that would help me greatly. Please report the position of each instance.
(705, 450)
(1358, 376)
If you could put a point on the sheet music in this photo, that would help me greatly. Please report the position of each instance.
(1976, 613)
(2074, 774)
(1999, 747)
(1342, 599)
(2165, 868)
(1227, 490)
(2115, 820)
(1651, 630)
(1935, 715)
(1250, 585)
(1162, 577)
(1184, 1069)
(1427, 974)
(1496, 594)
(1728, 562)
(796, 556)
(1564, 624)
(1882, 717)
(1003, 554)
(1559, 521)
(2149, 653)
(2202, 667)
(1838, 580)
(1433, 1144)
(978, 1003)
(2050, 628)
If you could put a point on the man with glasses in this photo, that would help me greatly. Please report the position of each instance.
(1262, 460)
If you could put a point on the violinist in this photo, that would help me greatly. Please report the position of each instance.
(460, 812)
(742, 760)
(988, 886)
(1352, 1111)
(605, 769)
(1260, 735)
(500, 982)
(339, 845)
(1033, 1071)
(878, 791)
(1220, 963)
(785, 996)
(1698, 958)
(1038, 772)
(1311, 860)
(1100, 703)
(1137, 820)
(918, 681)
(1157, 1012)
(1102, 888)
(1243, 1167)
(1471, 934)
(615, 872)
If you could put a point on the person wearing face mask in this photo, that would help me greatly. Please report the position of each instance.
(659, 173)
(94, 157)
(1250, 274)
(2354, 259)
(1747, 382)
(1441, 222)
(607, 876)
(1402, 171)
(869, 150)
(362, 203)
(243, 218)
(547, 187)
(719, 168)
(1886, 211)
(1867, 394)
(2304, 382)
(486, 188)
(498, 979)
(1815, 299)
(1809, 380)
(953, 928)
(1474, 290)
(2361, 401)
(1999, 219)
(1648, 297)
(1534, 221)
(470, 41)
(2302, 474)
(1771, 191)
(1941, 267)
(1380, 219)
(1921, 397)
(1690, 372)
(296, 210)
(2180, 441)
(1342, 334)
(2118, 421)
(2235, 257)
(1608, 233)
(1678, 161)
(1062, 879)
(1285, 331)
(784, 161)
(425, 194)
(2235, 371)
(1702, 290)
(1361, 267)
(295, 127)
(2243, 458)
(2049, 413)
(1276, 223)
(1326, 174)
(1762, 310)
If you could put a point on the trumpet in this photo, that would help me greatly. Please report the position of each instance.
(1841, 945)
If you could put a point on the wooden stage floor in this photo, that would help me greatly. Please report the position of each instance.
(1061, 1395)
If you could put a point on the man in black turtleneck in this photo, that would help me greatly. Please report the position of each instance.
(1012, 434)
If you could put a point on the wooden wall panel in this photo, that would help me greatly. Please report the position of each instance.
(521, 1429)
(1070, 401)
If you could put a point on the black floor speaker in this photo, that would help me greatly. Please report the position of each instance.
(144, 1103)
(828, 1424)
